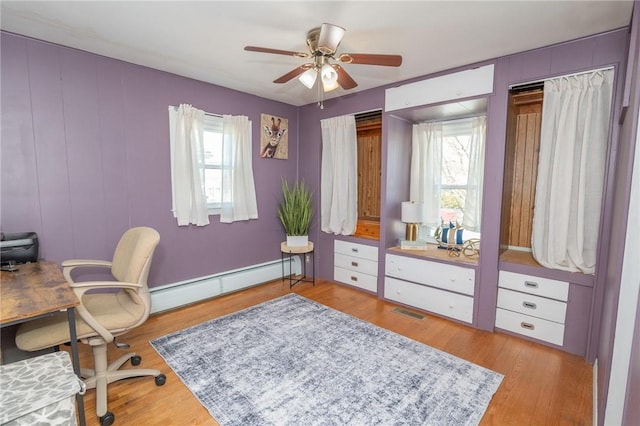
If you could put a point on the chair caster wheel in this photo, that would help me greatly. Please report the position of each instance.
(136, 360)
(107, 419)
(161, 380)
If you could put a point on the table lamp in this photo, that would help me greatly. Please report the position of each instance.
(412, 214)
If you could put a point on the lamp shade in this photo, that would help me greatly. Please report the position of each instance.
(413, 212)
(308, 78)
(329, 78)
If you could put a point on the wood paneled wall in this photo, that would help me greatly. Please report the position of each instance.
(369, 128)
(521, 168)
(369, 169)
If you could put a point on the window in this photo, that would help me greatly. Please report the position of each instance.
(211, 167)
(456, 139)
(451, 155)
(212, 181)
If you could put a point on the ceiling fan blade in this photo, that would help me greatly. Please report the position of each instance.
(371, 59)
(329, 38)
(293, 73)
(344, 79)
(276, 51)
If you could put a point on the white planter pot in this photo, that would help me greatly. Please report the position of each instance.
(297, 240)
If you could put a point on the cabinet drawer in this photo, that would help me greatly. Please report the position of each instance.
(527, 325)
(355, 264)
(528, 304)
(357, 279)
(358, 250)
(448, 277)
(430, 299)
(534, 285)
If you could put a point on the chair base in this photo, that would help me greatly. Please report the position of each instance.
(104, 374)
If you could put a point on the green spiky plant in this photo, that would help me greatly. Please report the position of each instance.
(296, 211)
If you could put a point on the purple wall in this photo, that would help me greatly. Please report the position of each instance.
(609, 284)
(85, 155)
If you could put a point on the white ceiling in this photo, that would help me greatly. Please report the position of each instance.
(204, 40)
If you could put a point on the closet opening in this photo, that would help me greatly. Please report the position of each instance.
(524, 118)
(567, 163)
(369, 134)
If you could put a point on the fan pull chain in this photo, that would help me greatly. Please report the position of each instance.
(320, 103)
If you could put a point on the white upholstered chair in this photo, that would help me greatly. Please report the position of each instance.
(102, 316)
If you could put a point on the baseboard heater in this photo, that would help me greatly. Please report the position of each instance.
(183, 293)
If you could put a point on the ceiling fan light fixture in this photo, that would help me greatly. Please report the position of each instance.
(308, 78)
(329, 78)
(329, 38)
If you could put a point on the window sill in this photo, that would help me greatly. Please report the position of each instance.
(433, 252)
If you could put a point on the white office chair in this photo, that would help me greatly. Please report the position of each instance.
(104, 316)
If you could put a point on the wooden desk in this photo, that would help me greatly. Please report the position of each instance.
(35, 290)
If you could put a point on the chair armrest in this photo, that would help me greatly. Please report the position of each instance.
(69, 265)
(72, 263)
(93, 323)
(81, 288)
(89, 285)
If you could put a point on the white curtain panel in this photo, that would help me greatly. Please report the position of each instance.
(339, 179)
(238, 187)
(426, 169)
(189, 203)
(473, 201)
(573, 149)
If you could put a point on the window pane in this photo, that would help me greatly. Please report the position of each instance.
(455, 159)
(213, 185)
(452, 205)
(212, 148)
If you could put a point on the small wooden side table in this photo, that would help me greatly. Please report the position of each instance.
(305, 251)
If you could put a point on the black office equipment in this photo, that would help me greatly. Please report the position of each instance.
(20, 247)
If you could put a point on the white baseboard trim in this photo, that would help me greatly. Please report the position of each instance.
(183, 293)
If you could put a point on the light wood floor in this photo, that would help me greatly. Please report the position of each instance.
(542, 386)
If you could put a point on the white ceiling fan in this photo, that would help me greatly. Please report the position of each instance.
(323, 43)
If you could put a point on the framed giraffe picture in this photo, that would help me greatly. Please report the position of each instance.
(274, 137)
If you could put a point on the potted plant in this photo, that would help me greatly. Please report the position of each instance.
(295, 212)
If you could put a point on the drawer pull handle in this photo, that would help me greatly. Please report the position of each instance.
(354, 278)
(529, 305)
(527, 326)
(354, 264)
(531, 284)
(355, 250)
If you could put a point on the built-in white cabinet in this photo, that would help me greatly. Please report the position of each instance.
(436, 287)
(532, 306)
(356, 264)
(449, 87)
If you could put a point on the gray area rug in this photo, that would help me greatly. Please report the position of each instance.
(292, 361)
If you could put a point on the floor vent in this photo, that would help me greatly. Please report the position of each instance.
(408, 313)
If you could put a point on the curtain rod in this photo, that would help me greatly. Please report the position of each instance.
(459, 118)
(529, 83)
(205, 113)
(367, 112)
